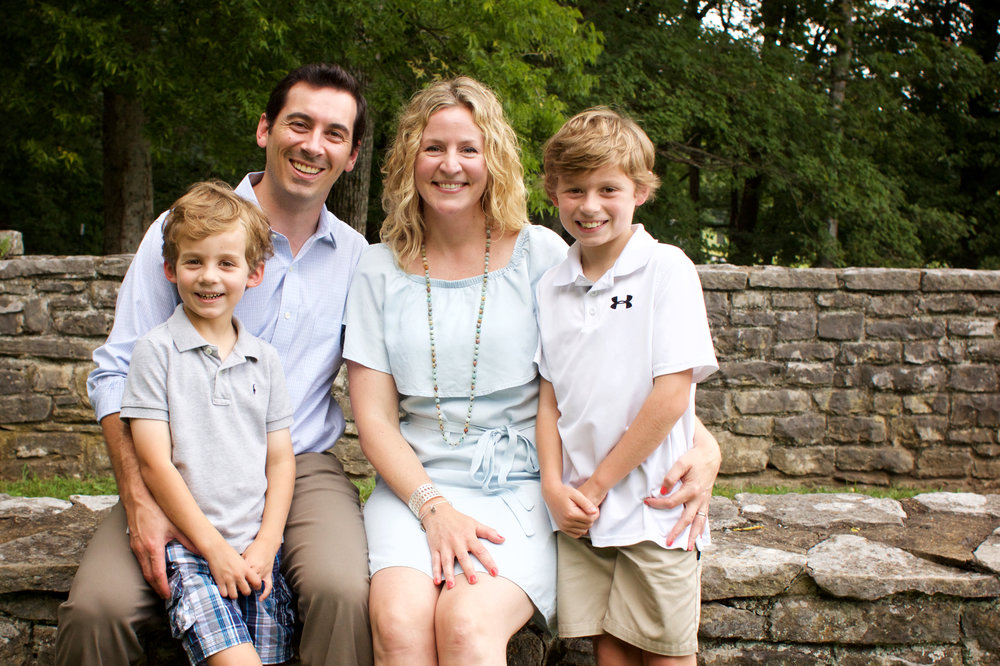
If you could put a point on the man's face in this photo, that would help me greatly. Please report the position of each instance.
(310, 143)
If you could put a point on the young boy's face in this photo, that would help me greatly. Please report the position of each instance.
(596, 207)
(212, 273)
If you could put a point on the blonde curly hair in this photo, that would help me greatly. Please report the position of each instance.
(504, 200)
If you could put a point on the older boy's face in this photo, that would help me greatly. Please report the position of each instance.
(309, 145)
(596, 208)
(212, 273)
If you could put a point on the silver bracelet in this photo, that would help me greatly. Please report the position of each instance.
(433, 509)
(427, 491)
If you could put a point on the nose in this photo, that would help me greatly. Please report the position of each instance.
(449, 162)
(311, 142)
(591, 203)
(207, 273)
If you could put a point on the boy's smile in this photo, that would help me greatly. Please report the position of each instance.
(211, 275)
(596, 207)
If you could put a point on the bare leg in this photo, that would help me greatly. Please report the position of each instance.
(402, 603)
(474, 623)
(239, 655)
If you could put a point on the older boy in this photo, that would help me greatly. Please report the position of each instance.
(209, 414)
(623, 339)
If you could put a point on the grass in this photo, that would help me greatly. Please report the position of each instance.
(59, 487)
(892, 492)
(62, 487)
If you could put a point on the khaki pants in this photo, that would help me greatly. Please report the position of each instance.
(324, 560)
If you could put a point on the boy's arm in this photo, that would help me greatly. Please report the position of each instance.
(657, 416)
(280, 472)
(573, 513)
(152, 448)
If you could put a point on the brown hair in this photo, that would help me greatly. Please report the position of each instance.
(598, 138)
(212, 207)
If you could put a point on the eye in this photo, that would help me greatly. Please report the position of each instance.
(471, 150)
(432, 149)
(336, 136)
(298, 125)
(192, 262)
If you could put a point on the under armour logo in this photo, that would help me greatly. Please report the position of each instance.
(627, 302)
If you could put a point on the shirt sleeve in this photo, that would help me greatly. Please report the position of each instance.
(145, 391)
(145, 299)
(364, 316)
(279, 407)
(682, 339)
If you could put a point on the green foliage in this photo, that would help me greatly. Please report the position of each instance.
(29, 485)
(203, 69)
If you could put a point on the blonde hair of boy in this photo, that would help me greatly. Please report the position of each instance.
(212, 207)
(596, 138)
(504, 200)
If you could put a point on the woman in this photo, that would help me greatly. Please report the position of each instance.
(440, 345)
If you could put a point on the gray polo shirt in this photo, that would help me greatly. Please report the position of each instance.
(219, 414)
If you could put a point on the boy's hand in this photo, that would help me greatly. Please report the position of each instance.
(573, 512)
(261, 559)
(232, 574)
(593, 492)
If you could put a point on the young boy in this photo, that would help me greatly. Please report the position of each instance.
(623, 339)
(209, 414)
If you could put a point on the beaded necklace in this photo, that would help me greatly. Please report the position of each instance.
(475, 352)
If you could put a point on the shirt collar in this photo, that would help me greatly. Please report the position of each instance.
(186, 337)
(325, 228)
(634, 256)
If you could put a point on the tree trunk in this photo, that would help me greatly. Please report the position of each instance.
(841, 71)
(743, 221)
(348, 199)
(128, 174)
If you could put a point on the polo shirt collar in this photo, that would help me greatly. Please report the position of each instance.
(186, 337)
(634, 256)
(325, 226)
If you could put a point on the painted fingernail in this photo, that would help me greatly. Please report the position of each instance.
(451, 584)
(646, 501)
(670, 543)
(663, 490)
(473, 579)
(493, 571)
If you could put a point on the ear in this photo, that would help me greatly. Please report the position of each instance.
(256, 276)
(262, 131)
(641, 194)
(169, 271)
(354, 158)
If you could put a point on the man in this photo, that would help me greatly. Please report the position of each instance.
(311, 132)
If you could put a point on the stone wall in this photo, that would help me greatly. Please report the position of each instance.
(845, 580)
(864, 376)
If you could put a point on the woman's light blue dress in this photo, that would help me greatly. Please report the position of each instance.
(493, 475)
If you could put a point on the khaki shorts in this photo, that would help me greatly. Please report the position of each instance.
(645, 595)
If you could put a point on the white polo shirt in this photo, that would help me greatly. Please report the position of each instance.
(601, 344)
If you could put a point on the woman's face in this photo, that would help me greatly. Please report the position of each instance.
(450, 169)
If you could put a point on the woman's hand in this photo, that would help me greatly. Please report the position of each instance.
(452, 535)
(696, 471)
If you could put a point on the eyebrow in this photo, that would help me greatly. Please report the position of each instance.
(298, 115)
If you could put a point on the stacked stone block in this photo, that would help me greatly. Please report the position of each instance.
(860, 375)
(857, 375)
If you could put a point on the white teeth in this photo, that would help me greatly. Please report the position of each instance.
(450, 186)
(306, 168)
(591, 225)
(209, 296)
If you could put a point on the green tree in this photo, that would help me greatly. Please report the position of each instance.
(117, 106)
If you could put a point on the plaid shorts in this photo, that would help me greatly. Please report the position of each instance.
(207, 623)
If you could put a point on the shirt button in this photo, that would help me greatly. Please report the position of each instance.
(288, 315)
(592, 311)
